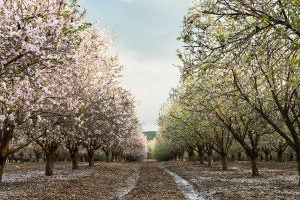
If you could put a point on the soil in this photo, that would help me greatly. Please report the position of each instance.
(103, 181)
(155, 184)
(151, 180)
(277, 180)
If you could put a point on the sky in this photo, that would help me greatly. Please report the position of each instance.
(144, 33)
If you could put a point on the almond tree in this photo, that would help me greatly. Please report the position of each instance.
(257, 44)
(136, 147)
(35, 37)
(94, 72)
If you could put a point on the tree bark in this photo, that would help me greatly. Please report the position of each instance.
(201, 152)
(21, 157)
(209, 160)
(209, 156)
(6, 138)
(91, 158)
(49, 163)
(74, 157)
(2, 165)
(254, 167)
(224, 162)
(280, 155)
(298, 161)
(107, 156)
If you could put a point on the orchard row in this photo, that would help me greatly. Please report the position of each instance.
(59, 85)
(240, 82)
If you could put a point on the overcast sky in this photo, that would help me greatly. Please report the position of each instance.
(145, 34)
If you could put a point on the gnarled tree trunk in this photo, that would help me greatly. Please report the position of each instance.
(254, 167)
(49, 163)
(6, 136)
(49, 149)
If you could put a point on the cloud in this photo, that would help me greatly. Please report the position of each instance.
(150, 81)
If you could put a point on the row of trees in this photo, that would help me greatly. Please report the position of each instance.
(239, 80)
(59, 85)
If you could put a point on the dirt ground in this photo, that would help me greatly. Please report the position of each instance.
(155, 183)
(151, 180)
(103, 181)
(277, 181)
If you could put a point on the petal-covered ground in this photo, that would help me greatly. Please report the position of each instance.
(277, 181)
(103, 181)
(151, 180)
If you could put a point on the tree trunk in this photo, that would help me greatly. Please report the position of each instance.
(181, 156)
(113, 156)
(209, 156)
(224, 163)
(201, 152)
(201, 159)
(49, 163)
(107, 156)
(21, 157)
(209, 160)
(190, 155)
(4, 148)
(298, 161)
(254, 166)
(91, 158)
(2, 164)
(74, 157)
(280, 155)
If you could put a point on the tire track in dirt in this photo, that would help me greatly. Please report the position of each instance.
(185, 186)
(130, 184)
(155, 184)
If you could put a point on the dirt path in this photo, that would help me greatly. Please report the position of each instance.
(155, 183)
